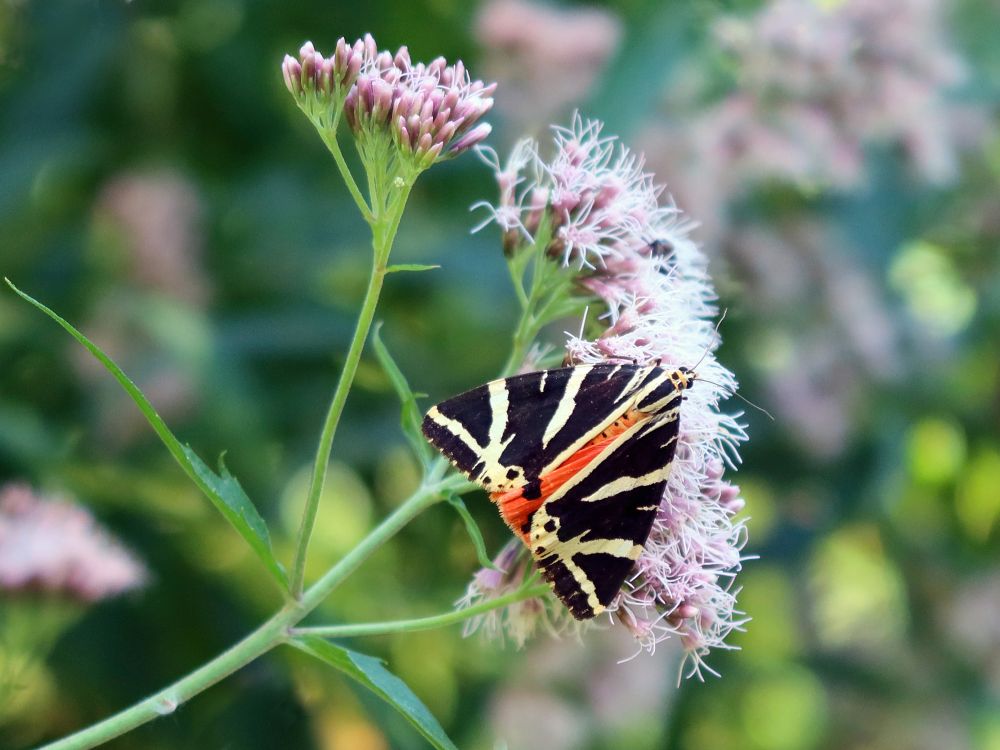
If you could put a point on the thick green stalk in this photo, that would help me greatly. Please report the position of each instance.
(365, 318)
(271, 633)
(383, 235)
(329, 136)
(422, 623)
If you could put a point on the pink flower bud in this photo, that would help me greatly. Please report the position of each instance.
(402, 59)
(291, 69)
(445, 134)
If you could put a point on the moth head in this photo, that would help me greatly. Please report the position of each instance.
(683, 378)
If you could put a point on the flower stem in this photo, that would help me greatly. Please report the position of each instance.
(383, 235)
(530, 321)
(271, 633)
(329, 136)
(365, 318)
(422, 623)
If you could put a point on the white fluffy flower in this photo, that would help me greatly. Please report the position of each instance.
(608, 216)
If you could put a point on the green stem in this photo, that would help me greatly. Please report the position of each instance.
(530, 321)
(524, 334)
(329, 136)
(365, 318)
(383, 235)
(271, 633)
(422, 623)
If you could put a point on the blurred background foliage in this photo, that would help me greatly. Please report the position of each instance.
(159, 189)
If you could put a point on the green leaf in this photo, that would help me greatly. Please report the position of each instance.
(410, 417)
(472, 528)
(226, 494)
(222, 489)
(371, 673)
(411, 267)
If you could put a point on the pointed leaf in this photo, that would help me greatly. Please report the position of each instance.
(226, 494)
(473, 530)
(410, 416)
(222, 490)
(371, 673)
(411, 267)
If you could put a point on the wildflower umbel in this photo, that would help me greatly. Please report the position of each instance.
(596, 209)
(426, 112)
(56, 548)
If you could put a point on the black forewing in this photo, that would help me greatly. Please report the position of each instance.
(533, 402)
(597, 398)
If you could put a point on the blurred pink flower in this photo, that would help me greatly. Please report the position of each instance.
(816, 382)
(538, 708)
(157, 218)
(546, 58)
(817, 86)
(854, 72)
(56, 547)
(147, 229)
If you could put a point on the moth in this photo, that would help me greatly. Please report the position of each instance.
(576, 460)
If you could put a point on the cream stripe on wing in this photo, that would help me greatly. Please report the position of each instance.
(624, 484)
(566, 404)
(607, 453)
(495, 444)
(455, 427)
(564, 552)
(626, 548)
(625, 402)
(637, 378)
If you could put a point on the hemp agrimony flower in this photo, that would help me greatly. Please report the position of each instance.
(405, 116)
(592, 210)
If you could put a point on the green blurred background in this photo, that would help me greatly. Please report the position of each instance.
(159, 189)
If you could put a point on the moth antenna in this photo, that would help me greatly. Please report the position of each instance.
(741, 397)
(708, 348)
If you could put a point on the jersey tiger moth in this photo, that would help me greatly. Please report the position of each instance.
(576, 459)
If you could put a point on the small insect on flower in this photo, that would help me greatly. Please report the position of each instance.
(576, 459)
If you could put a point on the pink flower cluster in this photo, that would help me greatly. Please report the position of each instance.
(55, 547)
(819, 82)
(517, 621)
(431, 111)
(594, 200)
(606, 214)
